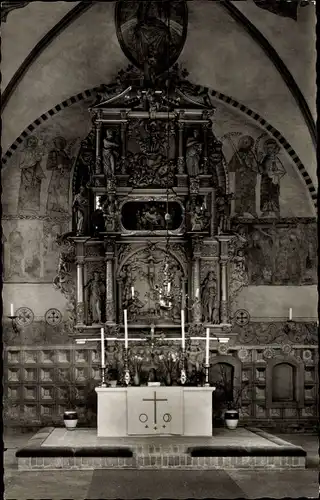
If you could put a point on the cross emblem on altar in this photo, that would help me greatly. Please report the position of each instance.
(155, 401)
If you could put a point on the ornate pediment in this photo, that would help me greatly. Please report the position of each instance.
(169, 92)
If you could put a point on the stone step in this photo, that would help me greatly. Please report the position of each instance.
(82, 449)
(161, 462)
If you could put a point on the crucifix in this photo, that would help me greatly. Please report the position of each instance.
(155, 400)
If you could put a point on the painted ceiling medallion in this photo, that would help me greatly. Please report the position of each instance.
(152, 33)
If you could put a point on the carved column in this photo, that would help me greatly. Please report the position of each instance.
(196, 285)
(123, 146)
(205, 148)
(224, 306)
(224, 292)
(98, 126)
(213, 221)
(80, 301)
(181, 160)
(110, 292)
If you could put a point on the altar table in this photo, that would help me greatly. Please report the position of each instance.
(146, 411)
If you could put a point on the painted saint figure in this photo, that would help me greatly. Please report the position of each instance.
(245, 166)
(81, 207)
(109, 153)
(272, 171)
(31, 177)
(60, 164)
(193, 154)
(96, 290)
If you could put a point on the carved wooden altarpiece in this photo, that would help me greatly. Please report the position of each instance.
(151, 209)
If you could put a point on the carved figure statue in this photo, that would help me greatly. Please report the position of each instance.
(193, 154)
(151, 262)
(134, 305)
(128, 279)
(96, 290)
(81, 207)
(223, 201)
(110, 212)
(150, 219)
(209, 297)
(198, 218)
(109, 153)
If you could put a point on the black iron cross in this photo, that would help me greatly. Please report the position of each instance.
(155, 400)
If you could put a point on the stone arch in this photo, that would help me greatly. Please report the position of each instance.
(297, 381)
(90, 93)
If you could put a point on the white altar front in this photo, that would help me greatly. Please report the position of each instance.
(137, 411)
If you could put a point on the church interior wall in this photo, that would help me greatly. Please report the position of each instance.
(81, 58)
(78, 53)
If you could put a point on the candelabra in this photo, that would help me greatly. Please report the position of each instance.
(103, 376)
(14, 323)
(126, 368)
(183, 375)
(206, 367)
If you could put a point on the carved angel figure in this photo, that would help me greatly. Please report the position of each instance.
(209, 298)
(96, 290)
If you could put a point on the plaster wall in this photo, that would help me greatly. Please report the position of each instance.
(273, 302)
(218, 53)
(39, 297)
(295, 41)
(23, 29)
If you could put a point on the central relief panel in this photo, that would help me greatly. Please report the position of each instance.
(149, 216)
(151, 286)
(151, 153)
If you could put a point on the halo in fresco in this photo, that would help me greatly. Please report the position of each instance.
(152, 31)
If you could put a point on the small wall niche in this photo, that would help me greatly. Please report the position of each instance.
(284, 383)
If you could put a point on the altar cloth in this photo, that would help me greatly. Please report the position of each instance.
(145, 411)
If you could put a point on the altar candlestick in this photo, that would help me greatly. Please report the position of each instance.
(183, 337)
(290, 314)
(125, 313)
(197, 293)
(11, 310)
(132, 291)
(102, 349)
(207, 346)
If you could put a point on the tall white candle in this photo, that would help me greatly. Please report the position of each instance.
(207, 345)
(125, 314)
(103, 361)
(169, 287)
(290, 314)
(197, 293)
(132, 291)
(183, 336)
(11, 310)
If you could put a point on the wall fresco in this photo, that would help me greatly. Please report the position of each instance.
(284, 255)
